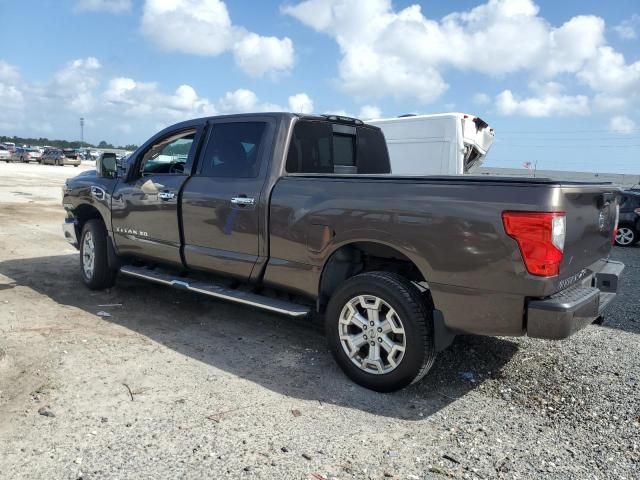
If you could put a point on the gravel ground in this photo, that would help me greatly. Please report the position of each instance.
(171, 385)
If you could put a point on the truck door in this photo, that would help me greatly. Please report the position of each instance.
(145, 204)
(224, 205)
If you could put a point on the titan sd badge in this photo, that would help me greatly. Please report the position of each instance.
(131, 231)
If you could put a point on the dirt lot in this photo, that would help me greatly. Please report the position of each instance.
(176, 386)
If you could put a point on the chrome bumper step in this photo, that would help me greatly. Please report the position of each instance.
(217, 291)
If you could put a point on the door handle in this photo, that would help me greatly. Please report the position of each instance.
(166, 195)
(243, 201)
(98, 193)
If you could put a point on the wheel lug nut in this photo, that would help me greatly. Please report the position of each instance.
(371, 323)
(373, 343)
(364, 336)
(380, 329)
(380, 339)
(364, 327)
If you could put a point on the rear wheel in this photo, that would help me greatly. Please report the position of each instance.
(626, 236)
(94, 264)
(380, 331)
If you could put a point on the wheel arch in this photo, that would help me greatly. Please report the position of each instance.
(358, 256)
(85, 212)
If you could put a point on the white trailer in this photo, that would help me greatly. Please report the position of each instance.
(439, 144)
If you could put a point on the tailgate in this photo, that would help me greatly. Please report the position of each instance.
(591, 217)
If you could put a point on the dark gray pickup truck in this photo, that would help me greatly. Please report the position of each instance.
(298, 214)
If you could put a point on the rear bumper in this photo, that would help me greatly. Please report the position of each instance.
(69, 230)
(564, 313)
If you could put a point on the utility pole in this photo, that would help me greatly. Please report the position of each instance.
(81, 132)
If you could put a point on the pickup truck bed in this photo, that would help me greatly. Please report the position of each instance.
(416, 259)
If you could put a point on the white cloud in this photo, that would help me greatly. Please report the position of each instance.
(258, 55)
(627, 29)
(11, 95)
(8, 73)
(622, 124)
(139, 99)
(403, 53)
(300, 103)
(200, 27)
(544, 106)
(481, 99)
(604, 102)
(120, 109)
(111, 6)
(369, 112)
(608, 71)
(204, 27)
(244, 101)
(75, 84)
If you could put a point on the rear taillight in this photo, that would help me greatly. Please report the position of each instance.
(540, 236)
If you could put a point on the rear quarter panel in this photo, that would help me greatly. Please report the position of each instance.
(452, 230)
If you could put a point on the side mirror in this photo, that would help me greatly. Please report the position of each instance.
(106, 165)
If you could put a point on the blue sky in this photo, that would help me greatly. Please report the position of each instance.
(559, 81)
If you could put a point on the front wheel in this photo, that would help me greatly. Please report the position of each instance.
(94, 264)
(380, 331)
(626, 236)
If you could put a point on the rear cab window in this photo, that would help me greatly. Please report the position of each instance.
(319, 146)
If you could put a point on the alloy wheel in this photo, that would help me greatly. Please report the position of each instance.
(88, 255)
(625, 236)
(372, 334)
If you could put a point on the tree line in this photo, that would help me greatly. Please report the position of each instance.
(62, 143)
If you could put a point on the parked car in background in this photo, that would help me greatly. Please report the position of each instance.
(50, 156)
(18, 153)
(629, 224)
(56, 156)
(30, 154)
(70, 152)
(5, 154)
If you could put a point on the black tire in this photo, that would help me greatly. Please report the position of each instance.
(417, 321)
(101, 276)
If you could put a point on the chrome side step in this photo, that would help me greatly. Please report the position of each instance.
(217, 291)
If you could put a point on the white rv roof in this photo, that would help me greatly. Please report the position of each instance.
(421, 117)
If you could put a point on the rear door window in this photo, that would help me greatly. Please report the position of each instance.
(234, 150)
